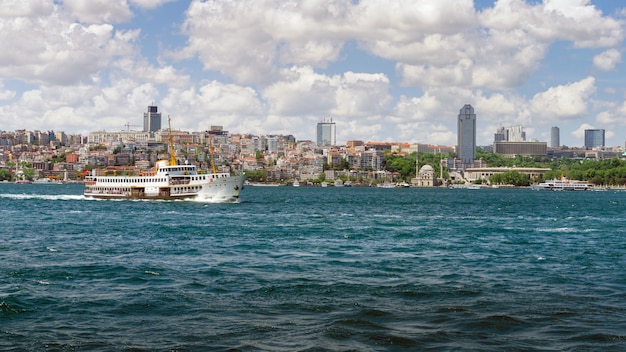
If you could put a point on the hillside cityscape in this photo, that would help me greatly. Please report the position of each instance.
(55, 156)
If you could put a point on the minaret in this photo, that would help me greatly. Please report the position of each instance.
(417, 166)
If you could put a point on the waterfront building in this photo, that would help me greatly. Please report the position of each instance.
(466, 135)
(555, 137)
(594, 138)
(484, 173)
(151, 119)
(512, 149)
(326, 133)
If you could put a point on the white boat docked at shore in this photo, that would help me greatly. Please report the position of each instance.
(169, 181)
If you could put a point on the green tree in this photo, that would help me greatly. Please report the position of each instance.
(514, 178)
(5, 175)
(406, 165)
(29, 173)
(256, 175)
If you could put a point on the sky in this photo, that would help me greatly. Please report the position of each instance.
(384, 70)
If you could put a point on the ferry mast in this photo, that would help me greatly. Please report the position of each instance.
(172, 150)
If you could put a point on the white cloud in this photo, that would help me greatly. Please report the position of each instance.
(143, 71)
(20, 8)
(213, 103)
(362, 95)
(415, 108)
(582, 23)
(99, 11)
(573, 20)
(47, 49)
(607, 60)
(612, 115)
(6, 94)
(302, 92)
(357, 100)
(564, 101)
(579, 133)
(434, 43)
(606, 118)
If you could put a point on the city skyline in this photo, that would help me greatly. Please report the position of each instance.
(326, 131)
(385, 70)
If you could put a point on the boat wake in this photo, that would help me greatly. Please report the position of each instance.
(213, 201)
(44, 196)
(23, 196)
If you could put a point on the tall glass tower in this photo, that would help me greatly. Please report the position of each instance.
(466, 148)
(594, 138)
(554, 137)
(151, 119)
(326, 132)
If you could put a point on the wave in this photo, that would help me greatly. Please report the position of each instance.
(44, 196)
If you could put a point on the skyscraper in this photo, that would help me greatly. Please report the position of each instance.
(151, 119)
(554, 137)
(594, 138)
(510, 134)
(466, 135)
(326, 132)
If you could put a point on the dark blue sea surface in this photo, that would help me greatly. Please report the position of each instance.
(314, 269)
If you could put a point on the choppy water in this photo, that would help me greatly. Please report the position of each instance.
(313, 269)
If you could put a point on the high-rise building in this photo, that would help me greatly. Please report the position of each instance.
(500, 135)
(326, 132)
(272, 144)
(466, 135)
(554, 137)
(594, 138)
(151, 119)
(516, 134)
(510, 134)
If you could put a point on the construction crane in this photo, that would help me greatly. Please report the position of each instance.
(128, 126)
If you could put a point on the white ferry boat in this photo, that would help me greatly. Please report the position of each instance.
(169, 181)
(563, 184)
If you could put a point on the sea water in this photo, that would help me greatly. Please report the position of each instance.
(314, 269)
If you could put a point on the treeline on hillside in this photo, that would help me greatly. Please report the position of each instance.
(610, 172)
(601, 172)
(405, 165)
